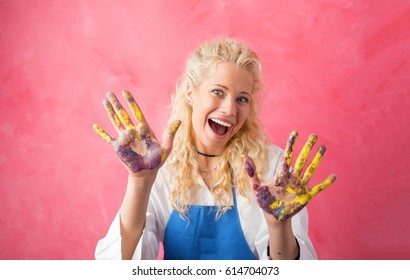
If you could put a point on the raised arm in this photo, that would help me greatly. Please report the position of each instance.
(142, 155)
(286, 194)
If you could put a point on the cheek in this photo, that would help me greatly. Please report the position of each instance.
(198, 118)
(203, 108)
(238, 126)
(243, 115)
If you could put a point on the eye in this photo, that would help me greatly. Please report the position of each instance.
(217, 92)
(243, 100)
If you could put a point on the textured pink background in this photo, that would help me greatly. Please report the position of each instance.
(340, 69)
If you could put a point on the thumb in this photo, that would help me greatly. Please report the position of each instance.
(169, 136)
(251, 170)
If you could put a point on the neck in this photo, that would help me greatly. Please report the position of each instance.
(207, 163)
(206, 155)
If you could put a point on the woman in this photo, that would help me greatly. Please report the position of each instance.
(199, 191)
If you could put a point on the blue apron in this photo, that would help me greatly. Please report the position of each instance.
(203, 237)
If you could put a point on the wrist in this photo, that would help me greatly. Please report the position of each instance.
(274, 224)
(144, 177)
(143, 174)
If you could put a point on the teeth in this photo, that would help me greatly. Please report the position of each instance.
(222, 123)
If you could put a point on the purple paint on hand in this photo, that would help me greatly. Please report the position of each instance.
(153, 158)
(131, 159)
(249, 167)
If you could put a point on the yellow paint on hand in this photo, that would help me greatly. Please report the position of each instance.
(134, 106)
(319, 187)
(304, 154)
(98, 129)
(163, 155)
(276, 204)
(174, 127)
(290, 147)
(310, 170)
(302, 199)
(290, 188)
(112, 115)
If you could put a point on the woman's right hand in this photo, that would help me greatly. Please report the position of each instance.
(136, 145)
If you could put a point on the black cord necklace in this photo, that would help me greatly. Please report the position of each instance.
(206, 155)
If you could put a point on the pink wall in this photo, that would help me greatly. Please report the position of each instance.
(338, 68)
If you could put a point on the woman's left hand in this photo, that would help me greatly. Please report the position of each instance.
(288, 192)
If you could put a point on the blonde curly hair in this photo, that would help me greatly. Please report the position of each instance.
(249, 140)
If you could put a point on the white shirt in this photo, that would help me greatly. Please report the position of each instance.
(159, 210)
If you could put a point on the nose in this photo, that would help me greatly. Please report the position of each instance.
(229, 107)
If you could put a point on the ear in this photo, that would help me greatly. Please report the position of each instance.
(189, 93)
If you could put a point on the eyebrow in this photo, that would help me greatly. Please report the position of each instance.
(225, 87)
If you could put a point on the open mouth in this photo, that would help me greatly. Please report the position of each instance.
(219, 127)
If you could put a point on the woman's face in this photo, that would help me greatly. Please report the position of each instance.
(220, 106)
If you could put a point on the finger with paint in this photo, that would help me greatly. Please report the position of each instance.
(134, 106)
(265, 198)
(168, 138)
(142, 128)
(119, 110)
(101, 132)
(304, 154)
(113, 116)
(320, 187)
(310, 170)
(288, 154)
